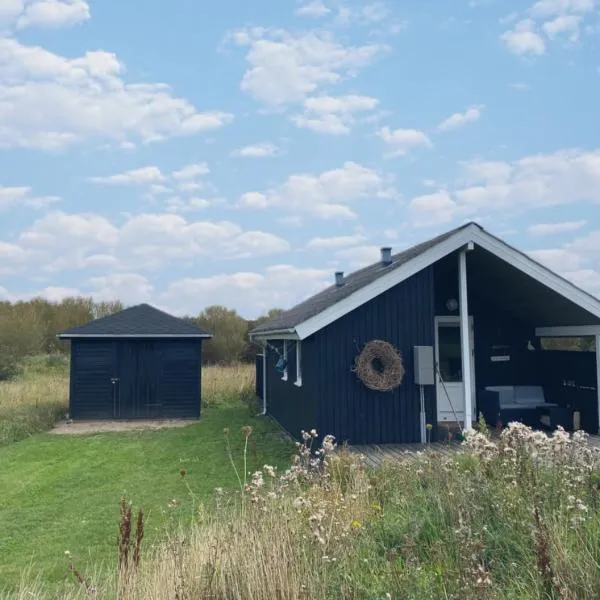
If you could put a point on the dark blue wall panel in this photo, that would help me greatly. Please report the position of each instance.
(332, 399)
(292, 406)
(156, 378)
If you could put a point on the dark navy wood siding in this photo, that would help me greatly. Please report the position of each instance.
(93, 364)
(570, 379)
(292, 406)
(155, 378)
(332, 399)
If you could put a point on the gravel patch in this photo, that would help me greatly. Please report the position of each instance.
(87, 427)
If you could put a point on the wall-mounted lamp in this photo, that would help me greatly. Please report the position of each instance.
(452, 304)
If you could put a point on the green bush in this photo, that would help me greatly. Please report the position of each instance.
(9, 365)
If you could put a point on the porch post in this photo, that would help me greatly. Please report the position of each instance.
(465, 338)
(598, 377)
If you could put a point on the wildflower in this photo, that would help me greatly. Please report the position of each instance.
(247, 431)
(356, 524)
(269, 470)
(299, 502)
(226, 431)
(67, 553)
(172, 503)
(313, 433)
(218, 491)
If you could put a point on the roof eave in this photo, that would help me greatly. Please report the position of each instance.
(68, 336)
(273, 334)
(471, 233)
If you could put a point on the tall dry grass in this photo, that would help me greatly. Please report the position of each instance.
(516, 518)
(35, 400)
(38, 397)
(227, 383)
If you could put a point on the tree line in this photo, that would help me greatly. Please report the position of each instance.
(30, 328)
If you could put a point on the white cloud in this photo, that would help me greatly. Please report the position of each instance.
(340, 241)
(543, 180)
(10, 10)
(554, 228)
(54, 13)
(260, 150)
(191, 172)
(520, 86)
(333, 115)
(563, 25)
(458, 120)
(254, 200)
(141, 176)
(557, 19)
(402, 141)
(432, 209)
(524, 40)
(48, 101)
(329, 124)
(359, 256)
(60, 241)
(14, 197)
(559, 260)
(179, 205)
(327, 195)
(316, 9)
(550, 8)
(251, 293)
(286, 67)
(130, 288)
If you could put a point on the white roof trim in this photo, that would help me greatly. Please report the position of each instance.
(275, 335)
(68, 336)
(471, 233)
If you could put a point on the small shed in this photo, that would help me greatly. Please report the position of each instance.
(139, 363)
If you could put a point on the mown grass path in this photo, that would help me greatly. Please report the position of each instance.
(62, 492)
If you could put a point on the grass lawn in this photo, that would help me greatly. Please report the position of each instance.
(62, 492)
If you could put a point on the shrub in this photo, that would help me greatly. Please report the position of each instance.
(9, 365)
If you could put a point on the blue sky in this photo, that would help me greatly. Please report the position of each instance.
(241, 152)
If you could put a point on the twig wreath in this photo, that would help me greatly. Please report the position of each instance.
(379, 366)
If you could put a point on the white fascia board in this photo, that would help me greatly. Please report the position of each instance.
(274, 335)
(385, 282)
(568, 331)
(470, 234)
(537, 271)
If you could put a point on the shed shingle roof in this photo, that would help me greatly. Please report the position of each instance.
(352, 282)
(142, 320)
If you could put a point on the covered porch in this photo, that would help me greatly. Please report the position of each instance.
(512, 342)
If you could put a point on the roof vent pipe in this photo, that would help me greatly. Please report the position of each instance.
(339, 278)
(386, 256)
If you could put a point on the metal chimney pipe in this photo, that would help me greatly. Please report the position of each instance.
(386, 256)
(339, 278)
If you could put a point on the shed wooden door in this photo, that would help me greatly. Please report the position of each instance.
(139, 371)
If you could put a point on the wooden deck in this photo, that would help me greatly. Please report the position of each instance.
(375, 454)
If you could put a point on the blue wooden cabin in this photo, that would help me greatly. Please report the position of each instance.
(477, 311)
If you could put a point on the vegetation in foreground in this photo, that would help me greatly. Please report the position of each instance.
(62, 492)
(512, 518)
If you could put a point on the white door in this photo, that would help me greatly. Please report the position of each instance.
(450, 389)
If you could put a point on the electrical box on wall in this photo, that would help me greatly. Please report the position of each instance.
(424, 370)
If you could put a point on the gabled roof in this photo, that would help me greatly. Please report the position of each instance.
(361, 286)
(142, 320)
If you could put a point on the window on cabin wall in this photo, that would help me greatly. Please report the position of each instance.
(298, 381)
(284, 354)
(571, 344)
